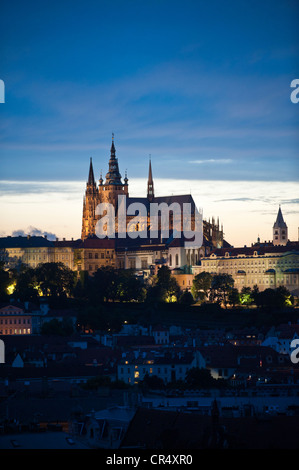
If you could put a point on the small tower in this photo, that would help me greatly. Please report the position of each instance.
(89, 205)
(150, 183)
(280, 230)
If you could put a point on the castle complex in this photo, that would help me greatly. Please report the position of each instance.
(268, 264)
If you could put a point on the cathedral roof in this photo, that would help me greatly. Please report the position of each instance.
(180, 199)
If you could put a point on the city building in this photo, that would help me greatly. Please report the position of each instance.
(166, 365)
(14, 321)
(267, 265)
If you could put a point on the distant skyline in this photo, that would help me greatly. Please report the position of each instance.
(202, 87)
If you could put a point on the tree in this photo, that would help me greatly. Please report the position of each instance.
(26, 284)
(152, 382)
(168, 284)
(221, 287)
(234, 297)
(55, 279)
(57, 327)
(129, 287)
(200, 378)
(255, 294)
(274, 299)
(186, 298)
(102, 287)
(246, 296)
(4, 282)
(201, 286)
(92, 318)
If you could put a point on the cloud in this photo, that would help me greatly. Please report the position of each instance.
(222, 161)
(34, 232)
(238, 199)
(290, 201)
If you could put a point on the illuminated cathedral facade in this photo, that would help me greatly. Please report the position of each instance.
(108, 190)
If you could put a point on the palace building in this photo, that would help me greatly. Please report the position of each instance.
(264, 264)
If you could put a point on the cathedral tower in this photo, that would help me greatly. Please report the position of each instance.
(90, 202)
(113, 186)
(280, 230)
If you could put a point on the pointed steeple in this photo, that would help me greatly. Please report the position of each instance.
(280, 223)
(113, 176)
(126, 178)
(280, 230)
(91, 180)
(150, 182)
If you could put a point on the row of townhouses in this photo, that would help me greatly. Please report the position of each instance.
(130, 358)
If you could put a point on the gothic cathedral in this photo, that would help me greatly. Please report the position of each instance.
(113, 186)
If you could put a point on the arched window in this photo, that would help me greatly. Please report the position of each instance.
(170, 260)
(177, 259)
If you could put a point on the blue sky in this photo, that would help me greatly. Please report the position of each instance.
(204, 87)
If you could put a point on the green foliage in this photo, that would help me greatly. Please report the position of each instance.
(201, 286)
(246, 296)
(26, 284)
(55, 279)
(186, 298)
(234, 297)
(4, 282)
(167, 285)
(221, 287)
(109, 284)
(274, 299)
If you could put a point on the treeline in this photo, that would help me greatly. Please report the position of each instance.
(219, 288)
(56, 281)
(93, 296)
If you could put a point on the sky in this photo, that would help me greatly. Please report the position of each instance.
(202, 87)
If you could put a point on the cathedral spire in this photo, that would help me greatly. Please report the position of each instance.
(91, 180)
(113, 176)
(150, 182)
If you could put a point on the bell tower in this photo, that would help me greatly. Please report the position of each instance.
(280, 230)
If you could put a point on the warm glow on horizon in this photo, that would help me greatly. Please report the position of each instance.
(246, 209)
